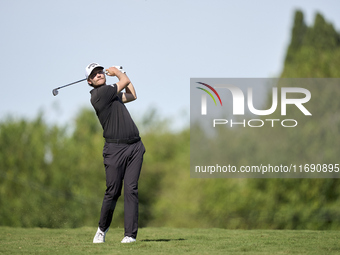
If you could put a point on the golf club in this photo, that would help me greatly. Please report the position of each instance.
(55, 91)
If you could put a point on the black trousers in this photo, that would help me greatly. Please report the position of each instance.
(123, 162)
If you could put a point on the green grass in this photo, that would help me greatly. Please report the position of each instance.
(169, 241)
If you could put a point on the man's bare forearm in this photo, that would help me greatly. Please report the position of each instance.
(123, 78)
(123, 82)
(130, 89)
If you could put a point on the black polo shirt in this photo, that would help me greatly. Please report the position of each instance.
(112, 113)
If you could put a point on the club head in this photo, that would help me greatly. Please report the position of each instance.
(55, 92)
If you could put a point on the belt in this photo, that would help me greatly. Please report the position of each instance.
(124, 141)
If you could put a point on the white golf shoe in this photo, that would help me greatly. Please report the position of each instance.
(128, 239)
(99, 237)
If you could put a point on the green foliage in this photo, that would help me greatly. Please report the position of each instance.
(312, 203)
(313, 51)
(50, 178)
(281, 203)
(298, 32)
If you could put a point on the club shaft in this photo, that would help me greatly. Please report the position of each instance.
(71, 83)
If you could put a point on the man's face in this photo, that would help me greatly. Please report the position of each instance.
(97, 77)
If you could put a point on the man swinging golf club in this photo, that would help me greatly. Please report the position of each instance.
(123, 150)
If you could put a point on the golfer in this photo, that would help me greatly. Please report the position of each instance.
(123, 150)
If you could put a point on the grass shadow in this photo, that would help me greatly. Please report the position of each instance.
(162, 240)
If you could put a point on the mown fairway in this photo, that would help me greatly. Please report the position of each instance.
(169, 241)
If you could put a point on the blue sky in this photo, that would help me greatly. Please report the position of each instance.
(161, 45)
